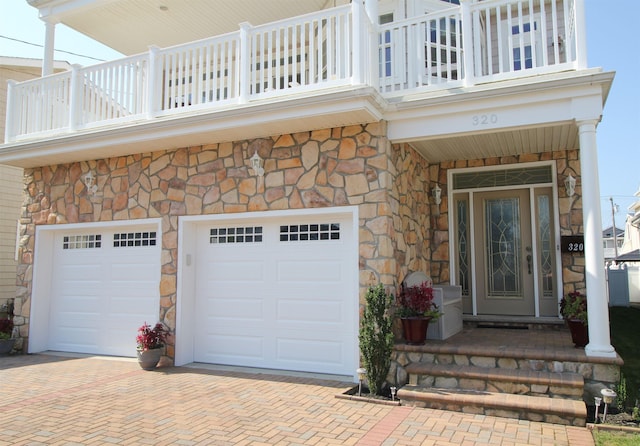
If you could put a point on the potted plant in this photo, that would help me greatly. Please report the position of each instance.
(7, 341)
(416, 309)
(573, 308)
(150, 342)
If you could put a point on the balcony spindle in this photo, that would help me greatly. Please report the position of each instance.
(153, 92)
(468, 77)
(244, 56)
(356, 14)
(580, 28)
(9, 131)
(75, 97)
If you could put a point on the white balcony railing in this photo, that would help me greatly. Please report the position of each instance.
(479, 42)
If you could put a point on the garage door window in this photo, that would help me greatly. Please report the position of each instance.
(310, 232)
(247, 234)
(86, 241)
(128, 239)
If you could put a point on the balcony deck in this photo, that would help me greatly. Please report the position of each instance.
(310, 56)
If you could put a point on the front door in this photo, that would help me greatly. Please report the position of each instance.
(504, 253)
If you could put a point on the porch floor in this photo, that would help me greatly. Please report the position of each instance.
(548, 342)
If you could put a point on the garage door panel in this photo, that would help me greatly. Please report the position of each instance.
(80, 272)
(319, 354)
(225, 346)
(236, 271)
(301, 270)
(310, 312)
(78, 339)
(235, 309)
(78, 303)
(132, 273)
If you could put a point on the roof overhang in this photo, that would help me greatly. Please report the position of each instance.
(528, 115)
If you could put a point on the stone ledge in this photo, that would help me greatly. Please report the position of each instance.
(498, 374)
(570, 354)
(520, 406)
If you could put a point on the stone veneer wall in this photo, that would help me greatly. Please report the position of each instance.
(411, 210)
(570, 212)
(353, 165)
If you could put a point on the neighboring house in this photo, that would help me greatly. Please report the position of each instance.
(612, 243)
(11, 184)
(632, 227)
(245, 189)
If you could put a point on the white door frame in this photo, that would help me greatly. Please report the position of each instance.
(452, 223)
(186, 286)
(43, 265)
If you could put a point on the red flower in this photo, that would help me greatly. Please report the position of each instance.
(150, 338)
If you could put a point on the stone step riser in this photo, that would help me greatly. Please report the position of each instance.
(567, 420)
(516, 388)
(491, 362)
(524, 407)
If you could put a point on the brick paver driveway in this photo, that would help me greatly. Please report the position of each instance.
(56, 400)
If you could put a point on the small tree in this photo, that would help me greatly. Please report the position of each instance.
(376, 337)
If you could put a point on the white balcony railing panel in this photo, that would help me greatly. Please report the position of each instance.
(202, 72)
(113, 91)
(422, 51)
(515, 38)
(39, 105)
(306, 51)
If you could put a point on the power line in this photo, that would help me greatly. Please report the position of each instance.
(59, 51)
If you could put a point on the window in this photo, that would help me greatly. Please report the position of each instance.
(132, 239)
(82, 241)
(385, 46)
(523, 54)
(310, 232)
(245, 234)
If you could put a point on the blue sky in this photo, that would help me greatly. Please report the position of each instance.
(611, 40)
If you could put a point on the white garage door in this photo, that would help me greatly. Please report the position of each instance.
(104, 286)
(277, 293)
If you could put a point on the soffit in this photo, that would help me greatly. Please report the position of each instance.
(500, 144)
(130, 27)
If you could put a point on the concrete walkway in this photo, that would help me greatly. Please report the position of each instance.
(53, 400)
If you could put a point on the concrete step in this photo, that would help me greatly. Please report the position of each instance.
(524, 407)
(500, 380)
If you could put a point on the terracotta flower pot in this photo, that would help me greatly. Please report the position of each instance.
(415, 329)
(148, 359)
(6, 345)
(579, 332)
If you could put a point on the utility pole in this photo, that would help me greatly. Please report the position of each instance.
(615, 232)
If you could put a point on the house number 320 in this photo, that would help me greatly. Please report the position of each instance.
(484, 119)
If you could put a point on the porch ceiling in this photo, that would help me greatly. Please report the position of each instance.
(130, 27)
(499, 144)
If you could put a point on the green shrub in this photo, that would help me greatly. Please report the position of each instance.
(376, 337)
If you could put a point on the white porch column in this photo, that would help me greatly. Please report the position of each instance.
(49, 39)
(597, 306)
(371, 6)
